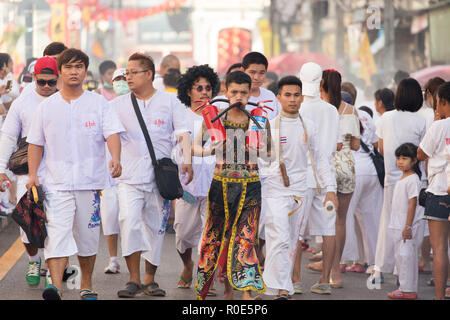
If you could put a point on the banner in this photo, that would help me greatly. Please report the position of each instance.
(368, 66)
(57, 28)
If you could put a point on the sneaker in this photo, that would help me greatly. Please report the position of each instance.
(321, 288)
(298, 288)
(112, 268)
(51, 293)
(33, 275)
(48, 280)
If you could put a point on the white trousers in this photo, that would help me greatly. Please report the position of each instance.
(73, 223)
(363, 218)
(189, 222)
(142, 221)
(109, 211)
(282, 233)
(407, 257)
(318, 222)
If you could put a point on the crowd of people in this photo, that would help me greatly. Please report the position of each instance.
(292, 159)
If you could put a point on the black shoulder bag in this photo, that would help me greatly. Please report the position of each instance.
(166, 171)
(378, 162)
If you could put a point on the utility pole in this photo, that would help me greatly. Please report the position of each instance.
(389, 62)
(29, 6)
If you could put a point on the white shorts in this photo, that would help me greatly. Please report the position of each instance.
(282, 231)
(189, 222)
(109, 211)
(142, 221)
(73, 223)
(319, 222)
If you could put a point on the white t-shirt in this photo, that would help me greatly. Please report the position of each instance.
(396, 128)
(436, 144)
(428, 114)
(15, 90)
(405, 189)
(326, 119)
(164, 116)
(203, 166)
(73, 136)
(295, 153)
(363, 163)
(27, 89)
(264, 95)
(21, 113)
(158, 82)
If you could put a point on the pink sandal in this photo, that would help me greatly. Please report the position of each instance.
(356, 268)
(397, 294)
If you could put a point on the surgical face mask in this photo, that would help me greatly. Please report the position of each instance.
(121, 87)
(107, 85)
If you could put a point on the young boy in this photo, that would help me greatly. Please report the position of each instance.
(285, 187)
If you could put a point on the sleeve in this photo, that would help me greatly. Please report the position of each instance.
(178, 117)
(324, 169)
(13, 125)
(36, 134)
(430, 141)
(412, 188)
(110, 120)
(379, 128)
(7, 147)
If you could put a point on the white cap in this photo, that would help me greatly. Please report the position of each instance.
(31, 67)
(311, 76)
(120, 72)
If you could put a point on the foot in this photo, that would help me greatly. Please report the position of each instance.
(33, 275)
(298, 288)
(113, 267)
(131, 290)
(356, 268)
(185, 280)
(316, 266)
(316, 257)
(153, 289)
(321, 288)
(87, 294)
(397, 294)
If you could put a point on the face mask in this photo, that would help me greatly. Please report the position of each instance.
(107, 85)
(121, 87)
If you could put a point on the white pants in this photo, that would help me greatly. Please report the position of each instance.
(109, 211)
(407, 257)
(73, 223)
(364, 214)
(189, 222)
(282, 233)
(319, 222)
(384, 253)
(142, 221)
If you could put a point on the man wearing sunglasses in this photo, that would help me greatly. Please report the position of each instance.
(17, 124)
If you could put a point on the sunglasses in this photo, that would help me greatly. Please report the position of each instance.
(42, 83)
(200, 88)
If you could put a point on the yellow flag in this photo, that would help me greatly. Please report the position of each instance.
(58, 22)
(368, 66)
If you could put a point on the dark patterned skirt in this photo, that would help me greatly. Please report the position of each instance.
(230, 238)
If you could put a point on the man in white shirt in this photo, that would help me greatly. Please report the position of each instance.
(9, 89)
(66, 154)
(284, 190)
(168, 62)
(141, 207)
(326, 119)
(17, 125)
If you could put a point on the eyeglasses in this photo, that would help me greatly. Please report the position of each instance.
(42, 82)
(133, 73)
(200, 88)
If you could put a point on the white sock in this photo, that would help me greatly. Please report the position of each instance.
(35, 258)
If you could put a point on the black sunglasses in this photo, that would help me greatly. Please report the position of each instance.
(42, 82)
(200, 88)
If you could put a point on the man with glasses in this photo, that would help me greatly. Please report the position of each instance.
(142, 210)
(17, 124)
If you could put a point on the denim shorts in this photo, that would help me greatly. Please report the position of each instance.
(437, 207)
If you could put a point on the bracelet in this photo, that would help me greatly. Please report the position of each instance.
(408, 227)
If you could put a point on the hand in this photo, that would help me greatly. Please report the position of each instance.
(115, 168)
(32, 181)
(331, 196)
(187, 169)
(3, 89)
(3, 178)
(407, 234)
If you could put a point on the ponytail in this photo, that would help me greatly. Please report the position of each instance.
(331, 84)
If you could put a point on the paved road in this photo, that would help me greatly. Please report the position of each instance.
(13, 285)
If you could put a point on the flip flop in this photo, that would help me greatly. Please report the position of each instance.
(87, 294)
(187, 284)
(212, 292)
(397, 294)
(153, 289)
(316, 266)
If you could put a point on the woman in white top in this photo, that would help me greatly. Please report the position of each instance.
(435, 146)
(396, 127)
(330, 90)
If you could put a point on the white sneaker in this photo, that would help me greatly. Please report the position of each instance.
(112, 268)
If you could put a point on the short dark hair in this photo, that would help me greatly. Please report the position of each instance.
(400, 75)
(367, 109)
(409, 150)
(171, 77)
(386, 96)
(444, 92)
(347, 97)
(4, 59)
(188, 79)
(409, 96)
(254, 58)
(54, 48)
(106, 65)
(289, 80)
(238, 77)
(432, 87)
(145, 61)
(72, 54)
(272, 75)
(234, 66)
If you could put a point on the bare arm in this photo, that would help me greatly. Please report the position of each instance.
(380, 146)
(114, 147)
(34, 160)
(355, 143)
(407, 232)
(185, 141)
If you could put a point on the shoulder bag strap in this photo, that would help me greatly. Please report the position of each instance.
(144, 129)
(319, 188)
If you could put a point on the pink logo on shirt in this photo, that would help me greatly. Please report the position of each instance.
(89, 124)
(447, 141)
(159, 122)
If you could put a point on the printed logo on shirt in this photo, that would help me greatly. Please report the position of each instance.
(89, 124)
(283, 139)
(447, 141)
(159, 122)
(95, 217)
